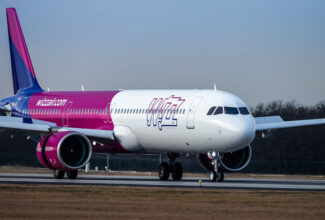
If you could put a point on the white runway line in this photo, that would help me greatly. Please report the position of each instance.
(146, 181)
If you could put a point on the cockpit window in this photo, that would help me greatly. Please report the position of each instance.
(211, 110)
(243, 111)
(231, 110)
(218, 111)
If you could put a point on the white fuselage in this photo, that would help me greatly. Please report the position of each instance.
(178, 121)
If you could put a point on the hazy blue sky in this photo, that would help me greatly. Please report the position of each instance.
(259, 50)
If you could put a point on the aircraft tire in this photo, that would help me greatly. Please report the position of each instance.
(220, 177)
(177, 171)
(216, 177)
(164, 171)
(72, 174)
(213, 176)
(58, 174)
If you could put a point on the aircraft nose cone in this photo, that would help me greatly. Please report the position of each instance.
(243, 131)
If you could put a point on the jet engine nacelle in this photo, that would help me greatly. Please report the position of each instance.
(64, 150)
(231, 161)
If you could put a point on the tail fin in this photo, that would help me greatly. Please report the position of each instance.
(23, 75)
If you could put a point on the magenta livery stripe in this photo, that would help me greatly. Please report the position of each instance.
(17, 38)
(90, 109)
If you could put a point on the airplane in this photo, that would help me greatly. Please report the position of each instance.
(70, 126)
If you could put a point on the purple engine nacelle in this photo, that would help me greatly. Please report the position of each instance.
(64, 151)
(230, 162)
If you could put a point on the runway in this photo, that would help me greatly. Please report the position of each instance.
(151, 181)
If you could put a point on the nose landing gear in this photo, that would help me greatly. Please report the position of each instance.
(173, 168)
(216, 175)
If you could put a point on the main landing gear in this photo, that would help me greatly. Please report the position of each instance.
(173, 168)
(59, 174)
(217, 174)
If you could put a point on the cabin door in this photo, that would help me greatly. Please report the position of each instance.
(108, 117)
(191, 113)
(66, 113)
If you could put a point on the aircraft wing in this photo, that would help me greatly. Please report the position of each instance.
(276, 122)
(23, 124)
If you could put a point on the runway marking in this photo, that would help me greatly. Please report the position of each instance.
(145, 181)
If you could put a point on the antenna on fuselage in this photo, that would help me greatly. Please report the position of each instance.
(82, 87)
(214, 87)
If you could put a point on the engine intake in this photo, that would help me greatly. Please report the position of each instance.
(237, 160)
(64, 150)
(231, 161)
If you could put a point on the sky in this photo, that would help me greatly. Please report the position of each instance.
(260, 50)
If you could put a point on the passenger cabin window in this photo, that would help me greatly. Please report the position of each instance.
(218, 111)
(243, 111)
(231, 111)
(211, 110)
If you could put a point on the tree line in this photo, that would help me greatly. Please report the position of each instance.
(291, 150)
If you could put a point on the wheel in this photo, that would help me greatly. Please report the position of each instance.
(164, 171)
(72, 174)
(58, 174)
(220, 177)
(177, 171)
(213, 176)
(216, 177)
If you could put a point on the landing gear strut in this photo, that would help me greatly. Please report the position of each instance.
(217, 174)
(173, 168)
